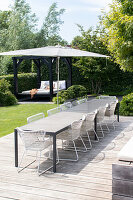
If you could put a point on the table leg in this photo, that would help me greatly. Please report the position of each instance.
(95, 126)
(54, 153)
(118, 105)
(16, 147)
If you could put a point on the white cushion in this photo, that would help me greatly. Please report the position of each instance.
(55, 85)
(62, 85)
(126, 153)
(44, 84)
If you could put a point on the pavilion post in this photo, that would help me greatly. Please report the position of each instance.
(39, 73)
(15, 67)
(68, 61)
(38, 64)
(70, 73)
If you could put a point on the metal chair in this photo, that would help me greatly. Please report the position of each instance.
(100, 119)
(87, 126)
(71, 135)
(53, 111)
(35, 117)
(82, 100)
(75, 103)
(35, 141)
(107, 97)
(110, 117)
(65, 106)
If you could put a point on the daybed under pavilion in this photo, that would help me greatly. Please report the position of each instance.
(39, 60)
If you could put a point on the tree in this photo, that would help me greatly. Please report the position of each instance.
(21, 27)
(94, 70)
(4, 24)
(119, 38)
(49, 33)
(18, 33)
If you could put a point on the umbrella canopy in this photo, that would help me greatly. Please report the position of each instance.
(53, 51)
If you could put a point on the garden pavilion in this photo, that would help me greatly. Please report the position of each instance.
(47, 55)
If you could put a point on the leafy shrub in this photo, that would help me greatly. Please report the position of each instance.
(76, 91)
(64, 95)
(60, 100)
(4, 85)
(72, 92)
(126, 105)
(6, 97)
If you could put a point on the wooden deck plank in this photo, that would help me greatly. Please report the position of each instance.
(89, 178)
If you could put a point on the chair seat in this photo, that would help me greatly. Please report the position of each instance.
(39, 145)
(110, 119)
(64, 135)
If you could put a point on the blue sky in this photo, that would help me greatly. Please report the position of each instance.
(83, 12)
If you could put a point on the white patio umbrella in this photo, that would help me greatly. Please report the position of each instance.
(54, 51)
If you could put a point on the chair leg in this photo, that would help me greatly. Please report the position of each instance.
(21, 163)
(42, 172)
(96, 136)
(114, 125)
(77, 157)
(107, 127)
(76, 152)
(83, 144)
(39, 158)
(89, 141)
(101, 131)
(67, 148)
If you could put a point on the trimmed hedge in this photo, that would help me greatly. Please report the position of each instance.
(126, 105)
(25, 81)
(114, 84)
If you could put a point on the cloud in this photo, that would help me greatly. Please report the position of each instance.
(87, 5)
(82, 9)
(97, 3)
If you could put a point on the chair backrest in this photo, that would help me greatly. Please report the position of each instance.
(75, 103)
(65, 106)
(101, 113)
(107, 97)
(30, 139)
(53, 111)
(82, 100)
(88, 121)
(75, 129)
(35, 117)
(103, 97)
(110, 109)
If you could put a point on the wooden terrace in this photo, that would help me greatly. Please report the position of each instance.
(88, 179)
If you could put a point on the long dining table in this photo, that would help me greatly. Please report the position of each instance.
(56, 123)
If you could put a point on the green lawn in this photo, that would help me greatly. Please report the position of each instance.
(15, 116)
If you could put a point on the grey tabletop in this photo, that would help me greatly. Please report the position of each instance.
(56, 122)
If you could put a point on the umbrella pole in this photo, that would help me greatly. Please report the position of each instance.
(58, 77)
